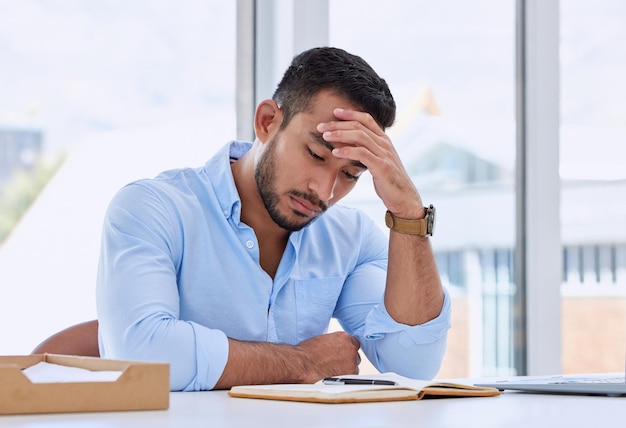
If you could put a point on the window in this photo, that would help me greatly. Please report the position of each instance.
(94, 95)
(593, 175)
(451, 68)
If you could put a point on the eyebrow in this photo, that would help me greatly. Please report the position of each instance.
(320, 140)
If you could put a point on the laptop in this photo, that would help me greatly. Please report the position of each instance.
(590, 384)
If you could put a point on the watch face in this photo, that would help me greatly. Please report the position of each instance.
(430, 220)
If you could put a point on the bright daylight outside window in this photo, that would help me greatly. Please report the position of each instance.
(593, 185)
(92, 96)
(451, 67)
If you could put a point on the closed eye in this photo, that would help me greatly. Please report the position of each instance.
(314, 155)
(351, 177)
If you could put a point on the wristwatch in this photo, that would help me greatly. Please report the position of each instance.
(422, 227)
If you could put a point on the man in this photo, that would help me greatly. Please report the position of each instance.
(231, 272)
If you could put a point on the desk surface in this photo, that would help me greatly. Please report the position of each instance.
(217, 409)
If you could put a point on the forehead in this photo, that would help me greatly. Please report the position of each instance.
(323, 104)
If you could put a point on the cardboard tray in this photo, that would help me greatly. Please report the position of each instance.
(141, 386)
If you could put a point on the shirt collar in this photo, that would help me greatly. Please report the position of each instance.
(219, 173)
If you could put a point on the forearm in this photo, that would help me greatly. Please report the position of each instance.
(413, 294)
(255, 363)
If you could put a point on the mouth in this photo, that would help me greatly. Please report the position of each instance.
(305, 208)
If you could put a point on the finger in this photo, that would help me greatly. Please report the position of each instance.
(359, 145)
(358, 116)
(358, 128)
(352, 133)
(381, 166)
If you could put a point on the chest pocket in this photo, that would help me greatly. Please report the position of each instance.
(315, 302)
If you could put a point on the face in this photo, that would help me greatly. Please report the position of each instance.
(297, 176)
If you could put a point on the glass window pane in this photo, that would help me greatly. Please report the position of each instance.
(450, 65)
(593, 180)
(94, 95)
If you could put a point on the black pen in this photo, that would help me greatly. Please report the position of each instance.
(356, 381)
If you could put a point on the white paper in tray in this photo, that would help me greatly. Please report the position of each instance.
(43, 372)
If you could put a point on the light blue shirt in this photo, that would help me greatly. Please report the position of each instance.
(179, 273)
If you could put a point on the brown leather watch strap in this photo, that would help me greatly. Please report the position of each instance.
(409, 227)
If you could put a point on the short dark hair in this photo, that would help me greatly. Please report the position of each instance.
(347, 75)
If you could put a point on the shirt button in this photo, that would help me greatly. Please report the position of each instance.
(249, 244)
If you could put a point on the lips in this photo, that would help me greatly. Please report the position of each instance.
(306, 207)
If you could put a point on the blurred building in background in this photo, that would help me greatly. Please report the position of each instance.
(19, 149)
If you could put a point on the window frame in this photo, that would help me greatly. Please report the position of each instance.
(538, 253)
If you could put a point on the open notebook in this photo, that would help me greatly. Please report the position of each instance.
(590, 384)
(398, 388)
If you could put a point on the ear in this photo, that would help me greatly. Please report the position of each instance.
(267, 119)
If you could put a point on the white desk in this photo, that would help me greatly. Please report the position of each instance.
(216, 409)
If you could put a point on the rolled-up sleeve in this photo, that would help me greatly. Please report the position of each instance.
(137, 295)
(412, 351)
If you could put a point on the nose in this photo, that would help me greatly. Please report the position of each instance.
(324, 185)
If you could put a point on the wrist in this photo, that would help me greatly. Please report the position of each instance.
(301, 367)
(413, 214)
(412, 210)
(423, 226)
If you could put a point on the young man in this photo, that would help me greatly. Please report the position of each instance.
(231, 272)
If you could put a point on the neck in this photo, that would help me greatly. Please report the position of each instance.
(271, 237)
(253, 212)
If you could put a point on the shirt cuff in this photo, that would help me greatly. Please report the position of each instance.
(211, 357)
(379, 323)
